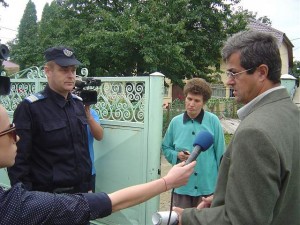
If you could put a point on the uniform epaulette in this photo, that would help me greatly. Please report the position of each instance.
(35, 97)
(76, 97)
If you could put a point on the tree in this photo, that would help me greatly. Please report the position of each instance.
(180, 38)
(25, 49)
(252, 15)
(51, 27)
(296, 69)
(3, 3)
(265, 20)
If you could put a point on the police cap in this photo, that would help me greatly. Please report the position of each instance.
(62, 56)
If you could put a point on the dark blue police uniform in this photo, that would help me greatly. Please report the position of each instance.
(53, 153)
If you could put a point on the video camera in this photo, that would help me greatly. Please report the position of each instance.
(4, 81)
(4, 52)
(89, 97)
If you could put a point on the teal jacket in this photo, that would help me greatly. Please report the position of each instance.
(259, 177)
(180, 135)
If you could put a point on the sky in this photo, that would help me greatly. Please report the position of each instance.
(284, 14)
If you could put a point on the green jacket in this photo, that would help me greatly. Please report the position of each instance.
(181, 135)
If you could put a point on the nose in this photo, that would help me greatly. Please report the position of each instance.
(230, 81)
(192, 103)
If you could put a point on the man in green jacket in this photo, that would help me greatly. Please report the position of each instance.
(259, 176)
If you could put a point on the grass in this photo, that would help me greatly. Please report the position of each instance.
(227, 138)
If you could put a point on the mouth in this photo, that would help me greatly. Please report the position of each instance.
(70, 83)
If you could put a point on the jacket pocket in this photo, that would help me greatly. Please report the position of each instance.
(53, 126)
(55, 134)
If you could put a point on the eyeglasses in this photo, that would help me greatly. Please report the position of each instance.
(234, 75)
(11, 131)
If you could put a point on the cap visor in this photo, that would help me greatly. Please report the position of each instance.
(67, 62)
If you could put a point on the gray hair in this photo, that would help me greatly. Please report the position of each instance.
(256, 48)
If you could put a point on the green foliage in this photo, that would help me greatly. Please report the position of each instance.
(180, 38)
(243, 15)
(51, 29)
(25, 50)
(265, 20)
(227, 138)
(3, 3)
(296, 69)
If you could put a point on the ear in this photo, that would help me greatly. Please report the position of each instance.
(263, 71)
(47, 70)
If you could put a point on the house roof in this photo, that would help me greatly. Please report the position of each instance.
(281, 37)
(9, 64)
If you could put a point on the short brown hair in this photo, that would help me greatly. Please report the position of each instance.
(198, 86)
(50, 64)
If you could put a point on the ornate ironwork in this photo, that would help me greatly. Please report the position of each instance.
(117, 100)
(31, 73)
(121, 101)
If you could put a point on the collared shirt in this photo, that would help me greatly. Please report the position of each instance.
(198, 118)
(18, 206)
(53, 147)
(245, 110)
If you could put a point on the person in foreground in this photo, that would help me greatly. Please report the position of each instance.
(259, 175)
(19, 206)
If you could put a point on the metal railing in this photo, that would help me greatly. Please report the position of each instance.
(131, 113)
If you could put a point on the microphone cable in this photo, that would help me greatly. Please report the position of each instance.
(171, 206)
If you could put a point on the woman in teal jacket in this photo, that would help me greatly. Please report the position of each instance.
(178, 143)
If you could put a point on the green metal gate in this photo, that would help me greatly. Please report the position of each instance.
(131, 113)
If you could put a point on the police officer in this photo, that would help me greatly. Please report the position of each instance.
(53, 153)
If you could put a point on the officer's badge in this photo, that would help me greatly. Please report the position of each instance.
(67, 52)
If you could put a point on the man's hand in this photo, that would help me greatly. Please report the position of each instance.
(179, 213)
(206, 202)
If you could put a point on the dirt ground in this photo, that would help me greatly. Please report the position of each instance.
(165, 198)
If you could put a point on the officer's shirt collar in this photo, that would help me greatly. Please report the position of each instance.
(59, 99)
(199, 118)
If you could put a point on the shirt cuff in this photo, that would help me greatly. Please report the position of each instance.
(99, 203)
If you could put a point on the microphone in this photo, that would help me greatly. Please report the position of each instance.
(203, 141)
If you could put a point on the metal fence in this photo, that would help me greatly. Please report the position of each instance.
(131, 113)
